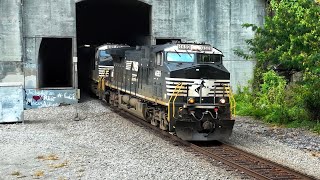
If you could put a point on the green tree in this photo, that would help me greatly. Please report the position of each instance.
(290, 39)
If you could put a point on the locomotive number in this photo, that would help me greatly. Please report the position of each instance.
(184, 46)
(194, 47)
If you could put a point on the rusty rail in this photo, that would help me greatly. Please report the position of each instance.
(250, 164)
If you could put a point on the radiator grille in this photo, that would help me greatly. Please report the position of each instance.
(192, 87)
(104, 70)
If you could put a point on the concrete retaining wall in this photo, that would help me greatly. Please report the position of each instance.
(11, 102)
(213, 21)
(11, 41)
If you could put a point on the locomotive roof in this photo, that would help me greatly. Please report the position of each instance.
(119, 51)
(162, 47)
(187, 47)
(111, 46)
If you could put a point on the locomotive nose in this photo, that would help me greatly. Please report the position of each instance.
(207, 71)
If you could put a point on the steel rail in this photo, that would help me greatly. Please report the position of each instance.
(263, 164)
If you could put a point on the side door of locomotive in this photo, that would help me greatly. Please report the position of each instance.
(158, 76)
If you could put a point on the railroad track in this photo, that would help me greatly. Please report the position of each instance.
(239, 160)
(248, 163)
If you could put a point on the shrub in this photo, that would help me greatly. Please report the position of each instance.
(244, 101)
(275, 102)
(312, 100)
(270, 98)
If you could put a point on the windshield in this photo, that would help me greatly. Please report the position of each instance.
(209, 58)
(103, 54)
(105, 59)
(180, 57)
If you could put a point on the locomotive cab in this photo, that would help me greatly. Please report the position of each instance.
(102, 64)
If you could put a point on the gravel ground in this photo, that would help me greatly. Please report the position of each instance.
(294, 148)
(102, 145)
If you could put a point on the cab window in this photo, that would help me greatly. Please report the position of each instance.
(105, 59)
(103, 54)
(209, 58)
(180, 57)
(159, 59)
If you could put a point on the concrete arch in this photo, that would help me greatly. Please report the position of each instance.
(109, 21)
(113, 21)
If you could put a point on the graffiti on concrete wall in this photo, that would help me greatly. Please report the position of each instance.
(48, 98)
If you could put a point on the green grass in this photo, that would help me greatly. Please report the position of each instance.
(316, 128)
(310, 125)
(244, 109)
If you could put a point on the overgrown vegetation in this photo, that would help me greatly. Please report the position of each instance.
(288, 43)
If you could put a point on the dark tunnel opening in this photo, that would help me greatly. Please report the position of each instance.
(55, 63)
(112, 21)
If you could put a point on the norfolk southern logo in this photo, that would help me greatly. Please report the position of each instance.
(197, 90)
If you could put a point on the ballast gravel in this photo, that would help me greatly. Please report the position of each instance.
(51, 144)
(295, 148)
(100, 145)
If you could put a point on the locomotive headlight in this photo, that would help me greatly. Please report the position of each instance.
(222, 101)
(191, 101)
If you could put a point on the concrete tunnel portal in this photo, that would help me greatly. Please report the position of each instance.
(109, 21)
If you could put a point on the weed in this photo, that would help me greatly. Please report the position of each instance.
(38, 174)
(60, 165)
(16, 173)
(51, 157)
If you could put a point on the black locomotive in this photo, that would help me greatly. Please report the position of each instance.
(101, 64)
(182, 88)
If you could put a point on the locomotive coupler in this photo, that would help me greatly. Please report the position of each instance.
(208, 125)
